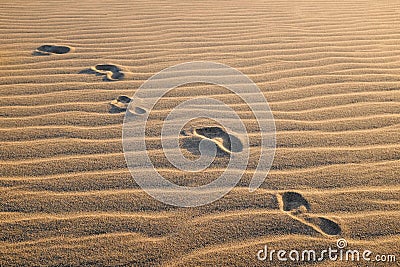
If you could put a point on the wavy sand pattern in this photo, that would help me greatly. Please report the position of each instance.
(330, 72)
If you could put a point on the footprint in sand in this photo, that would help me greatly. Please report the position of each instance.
(46, 50)
(111, 72)
(121, 104)
(225, 142)
(298, 207)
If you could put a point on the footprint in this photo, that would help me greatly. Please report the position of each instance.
(111, 72)
(327, 226)
(52, 49)
(292, 201)
(297, 207)
(226, 143)
(121, 104)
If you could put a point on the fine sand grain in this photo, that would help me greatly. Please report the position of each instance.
(330, 71)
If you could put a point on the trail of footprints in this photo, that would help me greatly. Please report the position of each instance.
(292, 203)
(110, 72)
(297, 207)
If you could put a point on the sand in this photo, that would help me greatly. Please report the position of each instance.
(329, 70)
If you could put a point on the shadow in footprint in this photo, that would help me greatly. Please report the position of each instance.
(46, 50)
(137, 111)
(293, 200)
(327, 226)
(110, 72)
(193, 145)
(115, 110)
(298, 207)
(121, 104)
(225, 142)
(106, 67)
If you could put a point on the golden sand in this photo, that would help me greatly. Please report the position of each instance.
(330, 71)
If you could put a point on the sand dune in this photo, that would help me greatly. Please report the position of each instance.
(69, 69)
